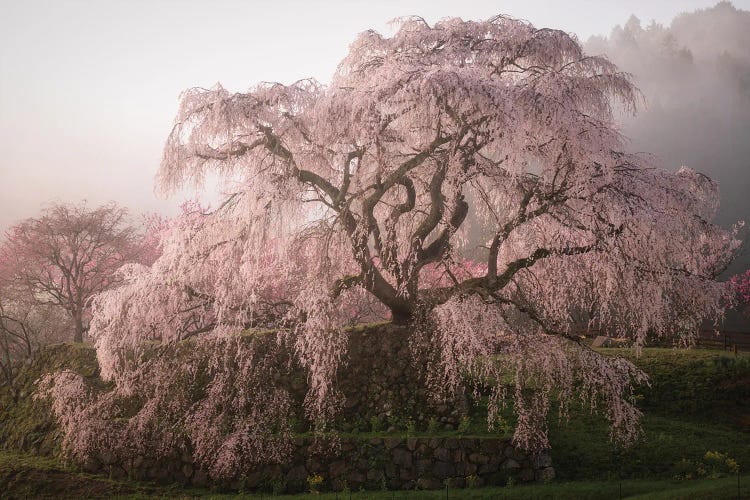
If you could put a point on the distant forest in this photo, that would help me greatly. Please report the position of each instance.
(695, 77)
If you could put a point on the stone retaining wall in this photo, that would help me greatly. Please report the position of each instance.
(381, 379)
(383, 393)
(393, 463)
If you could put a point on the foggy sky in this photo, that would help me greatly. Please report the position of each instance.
(89, 89)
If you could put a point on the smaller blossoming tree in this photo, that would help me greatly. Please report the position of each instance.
(68, 254)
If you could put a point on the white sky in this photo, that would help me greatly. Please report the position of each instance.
(88, 89)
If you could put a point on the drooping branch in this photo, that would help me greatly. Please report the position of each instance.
(486, 288)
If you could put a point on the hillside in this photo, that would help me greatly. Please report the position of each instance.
(697, 403)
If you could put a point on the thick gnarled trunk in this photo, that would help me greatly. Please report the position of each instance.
(79, 328)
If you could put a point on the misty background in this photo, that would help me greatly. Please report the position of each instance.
(89, 90)
(695, 75)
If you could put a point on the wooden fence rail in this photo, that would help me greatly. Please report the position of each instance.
(724, 339)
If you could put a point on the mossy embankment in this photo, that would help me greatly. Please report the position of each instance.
(26, 423)
(24, 475)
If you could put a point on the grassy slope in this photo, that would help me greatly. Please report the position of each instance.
(30, 476)
(698, 402)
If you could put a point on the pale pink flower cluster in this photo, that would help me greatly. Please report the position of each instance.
(213, 398)
(525, 366)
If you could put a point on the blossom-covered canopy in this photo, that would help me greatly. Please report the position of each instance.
(467, 177)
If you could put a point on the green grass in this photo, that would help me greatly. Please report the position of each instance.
(581, 450)
(698, 401)
(32, 476)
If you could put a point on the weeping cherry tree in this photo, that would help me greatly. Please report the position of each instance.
(464, 178)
